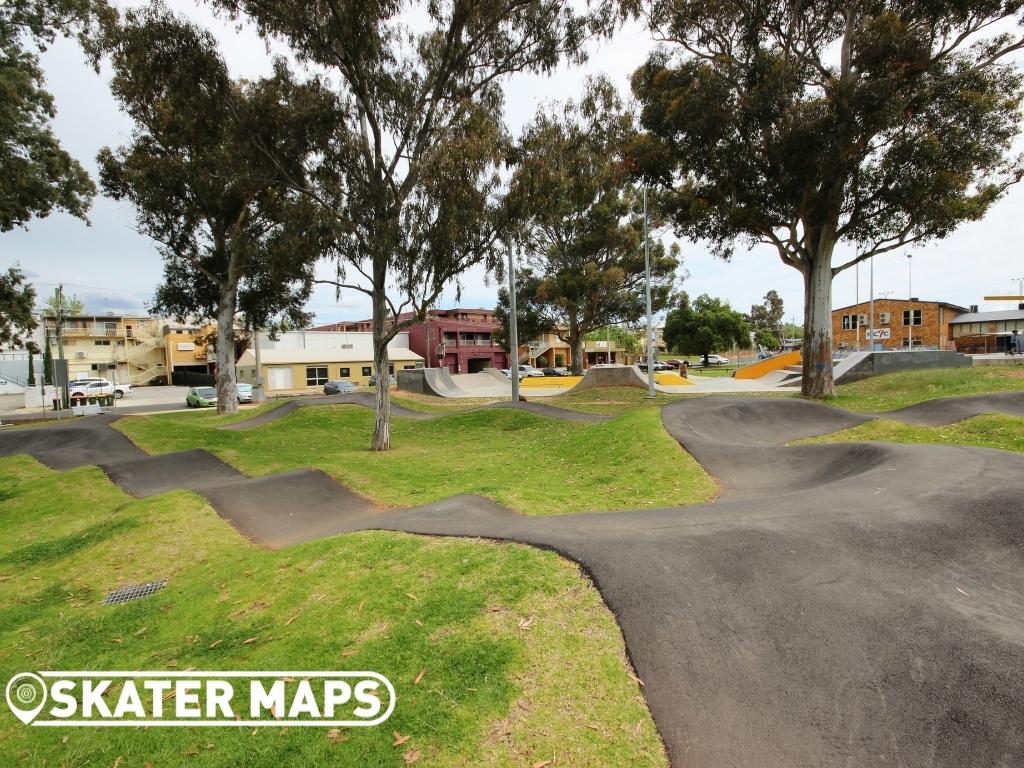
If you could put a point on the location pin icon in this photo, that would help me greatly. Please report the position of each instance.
(26, 695)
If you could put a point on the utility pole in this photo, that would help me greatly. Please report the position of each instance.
(259, 367)
(857, 301)
(650, 324)
(513, 368)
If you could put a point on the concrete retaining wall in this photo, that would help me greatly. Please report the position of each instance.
(861, 365)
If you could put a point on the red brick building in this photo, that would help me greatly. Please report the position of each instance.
(458, 339)
(896, 322)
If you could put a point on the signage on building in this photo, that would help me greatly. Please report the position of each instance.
(186, 346)
(878, 334)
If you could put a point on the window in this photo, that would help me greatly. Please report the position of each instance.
(316, 376)
(391, 369)
(884, 318)
(343, 373)
(103, 343)
(917, 316)
(366, 370)
(409, 367)
(849, 322)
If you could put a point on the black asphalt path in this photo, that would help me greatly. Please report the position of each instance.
(846, 604)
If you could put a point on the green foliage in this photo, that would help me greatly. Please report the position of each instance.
(584, 220)
(880, 125)
(39, 176)
(47, 360)
(63, 305)
(412, 173)
(704, 326)
(17, 302)
(532, 321)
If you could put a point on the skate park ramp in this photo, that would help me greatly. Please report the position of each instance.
(862, 365)
(762, 367)
(441, 383)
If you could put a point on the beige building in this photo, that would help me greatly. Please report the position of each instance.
(306, 360)
(184, 349)
(120, 348)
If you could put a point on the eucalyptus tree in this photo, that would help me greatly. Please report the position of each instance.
(584, 221)
(39, 175)
(17, 306)
(802, 125)
(414, 181)
(233, 233)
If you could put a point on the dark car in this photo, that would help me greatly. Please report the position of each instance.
(339, 387)
(553, 372)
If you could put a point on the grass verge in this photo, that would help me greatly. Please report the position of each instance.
(987, 431)
(533, 464)
(514, 650)
(898, 390)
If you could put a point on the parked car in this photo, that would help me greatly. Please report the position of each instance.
(92, 385)
(553, 372)
(529, 370)
(658, 366)
(201, 397)
(244, 392)
(508, 373)
(717, 360)
(339, 387)
(392, 381)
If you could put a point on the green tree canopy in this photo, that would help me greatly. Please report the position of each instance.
(210, 169)
(413, 178)
(39, 175)
(801, 125)
(66, 305)
(532, 322)
(17, 303)
(704, 326)
(584, 220)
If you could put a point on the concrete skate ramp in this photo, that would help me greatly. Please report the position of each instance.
(853, 604)
(618, 376)
(861, 365)
(429, 381)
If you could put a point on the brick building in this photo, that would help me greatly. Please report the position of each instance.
(458, 338)
(895, 322)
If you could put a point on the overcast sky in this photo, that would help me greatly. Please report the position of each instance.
(113, 268)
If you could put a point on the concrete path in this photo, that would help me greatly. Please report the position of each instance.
(848, 604)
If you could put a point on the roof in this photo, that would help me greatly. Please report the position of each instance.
(989, 317)
(867, 302)
(299, 356)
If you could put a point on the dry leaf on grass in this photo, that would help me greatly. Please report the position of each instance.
(399, 739)
(412, 756)
(419, 676)
(542, 764)
(250, 640)
(335, 736)
(215, 643)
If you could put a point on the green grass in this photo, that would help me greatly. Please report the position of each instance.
(533, 464)
(986, 431)
(521, 661)
(898, 390)
(432, 404)
(608, 401)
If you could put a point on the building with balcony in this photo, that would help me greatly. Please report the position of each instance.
(458, 339)
(186, 352)
(121, 348)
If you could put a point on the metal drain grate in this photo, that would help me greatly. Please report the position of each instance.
(133, 592)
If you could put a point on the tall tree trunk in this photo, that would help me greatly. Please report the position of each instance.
(382, 411)
(817, 346)
(227, 394)
(578, 351)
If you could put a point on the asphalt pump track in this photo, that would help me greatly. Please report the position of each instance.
(847, 604)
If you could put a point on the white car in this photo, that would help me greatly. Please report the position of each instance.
(717, 360)
(508, 373)
(95, 386)
(529, 370)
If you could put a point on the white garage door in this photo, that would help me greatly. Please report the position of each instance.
(279, 378)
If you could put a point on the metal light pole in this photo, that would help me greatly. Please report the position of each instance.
(513, 368)
(871, 311)
(650, 324)
(259, 367)
(910, 299)
(856, 269)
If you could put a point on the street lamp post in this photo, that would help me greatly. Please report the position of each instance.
(513, 368)
(871, 310)
(650, 327)
(910, 299)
